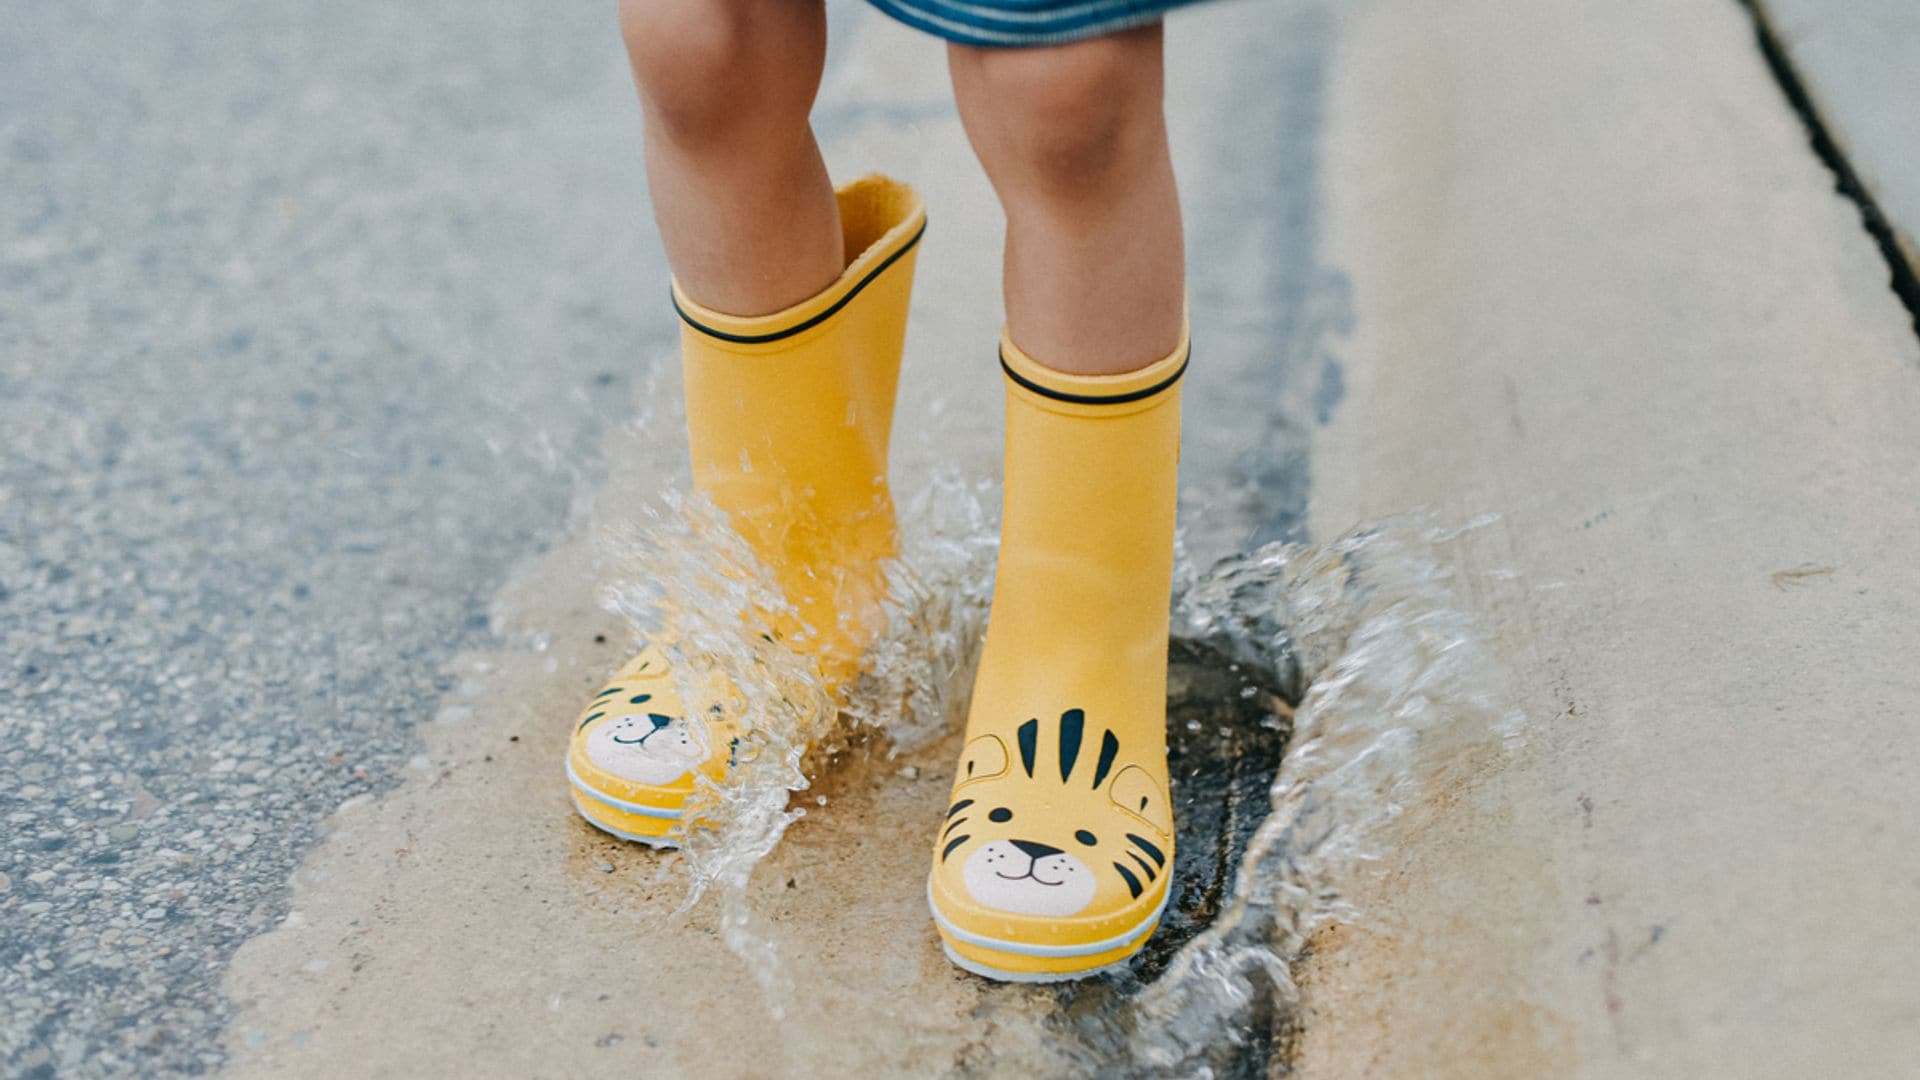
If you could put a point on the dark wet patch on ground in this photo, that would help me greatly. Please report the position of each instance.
(1228, 723)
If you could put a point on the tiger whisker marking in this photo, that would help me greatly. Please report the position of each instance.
(951, 844)
(1149, 848)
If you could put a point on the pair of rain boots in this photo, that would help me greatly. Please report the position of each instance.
(1054, 855)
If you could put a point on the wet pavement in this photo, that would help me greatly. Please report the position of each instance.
(306, 337)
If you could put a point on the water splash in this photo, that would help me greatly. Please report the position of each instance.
(1398, 697)
(918, 675)
(698, 591)
(1356, 657)
(692, 585)
(1395, 694)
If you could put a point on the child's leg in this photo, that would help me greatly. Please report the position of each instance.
(793, 302)
(1075, 144)
(1056, 853)
(744, 205)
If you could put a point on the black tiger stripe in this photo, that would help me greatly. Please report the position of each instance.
(959, 806)
(1029, 739)
(1144, 864)
(589, 720)
(1109, 747)
(608, 690)
(1073, 723)
(951, 844)
(956, 824)
(1133, 883)
(1149, 848)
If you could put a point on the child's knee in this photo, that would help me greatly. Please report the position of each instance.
(711, 68)
(1065, 119)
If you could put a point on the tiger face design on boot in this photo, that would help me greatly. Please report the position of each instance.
(1059, 824)
(645, 747)
(635, 753)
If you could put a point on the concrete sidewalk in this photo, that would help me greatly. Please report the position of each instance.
(1604, 289)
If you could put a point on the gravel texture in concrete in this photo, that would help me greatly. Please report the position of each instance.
(302, 342)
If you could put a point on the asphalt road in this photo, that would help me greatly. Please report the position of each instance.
(310, 319)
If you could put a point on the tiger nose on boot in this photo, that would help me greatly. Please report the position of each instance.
(655, 722)
(1034, 851)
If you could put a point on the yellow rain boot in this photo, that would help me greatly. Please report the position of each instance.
(1057, 847)
(788, 420)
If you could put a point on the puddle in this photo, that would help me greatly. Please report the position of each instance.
(1316, 692)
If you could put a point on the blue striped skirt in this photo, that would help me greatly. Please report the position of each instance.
(1011, 23)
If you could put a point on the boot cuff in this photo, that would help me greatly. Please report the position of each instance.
(881, 220)
(1093, 395)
